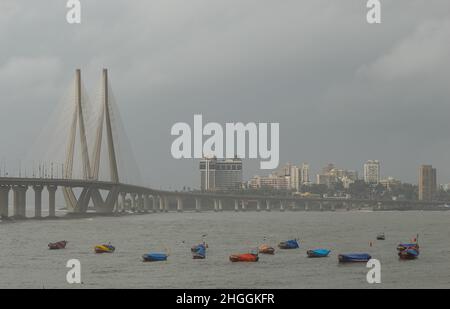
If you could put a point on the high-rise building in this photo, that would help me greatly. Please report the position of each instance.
(372, 172)
(304, 174)
(273, 182)
(220, 175)
(427, 183)
(294, 177)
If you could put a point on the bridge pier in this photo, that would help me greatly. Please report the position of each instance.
(140, 199)
(166, 204)
(236, 205)
(220, 206)
(198, 205)
(258, 205)
(146, 203)
(216, 205)
(179, 204)
(282, 206)
(320, 206)
(4, 201)
(51, 200)
(244, 205)
(20, 201)
(293, 206)
(134, 202)
(306, 206)
(268, 208)
(38, 201)
(123, 203)
(161, 204)
(155, 204)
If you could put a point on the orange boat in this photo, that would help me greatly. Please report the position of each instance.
(266, 249)
(247, 257)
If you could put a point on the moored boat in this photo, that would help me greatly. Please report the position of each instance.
(318, 253)
(409, 254)
(104, 248)
(199, 252)
(289, 244)
(155, 257)
(354, 258)
(381, 236)
(57, 245)
(405, 246)
(246, 257)
(266, 249)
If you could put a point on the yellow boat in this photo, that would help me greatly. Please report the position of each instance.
(104, 249)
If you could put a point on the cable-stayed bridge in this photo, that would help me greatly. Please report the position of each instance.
(96, 170)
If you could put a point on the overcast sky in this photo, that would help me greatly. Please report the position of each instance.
(342, 90)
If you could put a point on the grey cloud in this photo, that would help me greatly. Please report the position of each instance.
(343, 91)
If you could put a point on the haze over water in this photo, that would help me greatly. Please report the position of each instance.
(25, 261)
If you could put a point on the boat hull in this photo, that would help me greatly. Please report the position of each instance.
(319, 253)
(354, 258)
(104, 249)
(154, 257)
(244, 258)
(287, 245)
(57, 245)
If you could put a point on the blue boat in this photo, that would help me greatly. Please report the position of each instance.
(154, 257)
(290, 244)
(409, 254)
(354, 258)
(199, 252)
(318, 253)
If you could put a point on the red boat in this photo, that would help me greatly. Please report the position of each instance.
(57, 245)
(247, 257)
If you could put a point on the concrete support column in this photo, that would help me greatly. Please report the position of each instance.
(220, 205)
(320, 206)
(236, 205)
(244, 205)
(161, 204)
(333, 207)
(166, 203)
(146, 203)
(134, 203)
(216, 205)
(282, 206)
(179, 204)
(258, 205)
(52, 200)
(140, 201)
(4, 201)
(155, 204)
(198, 205)
(38, 201)
(123, 197)
(293, 206)
(268, 208)
(20, 200)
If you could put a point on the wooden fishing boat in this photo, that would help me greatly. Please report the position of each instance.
(246, 257)
(266, 249)
(409, 254)
(199, 252)
(318, 253)
(154, 257)
(381, 236)
(354, 258)
(289, 244)
(57, 245)
(104, 249)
